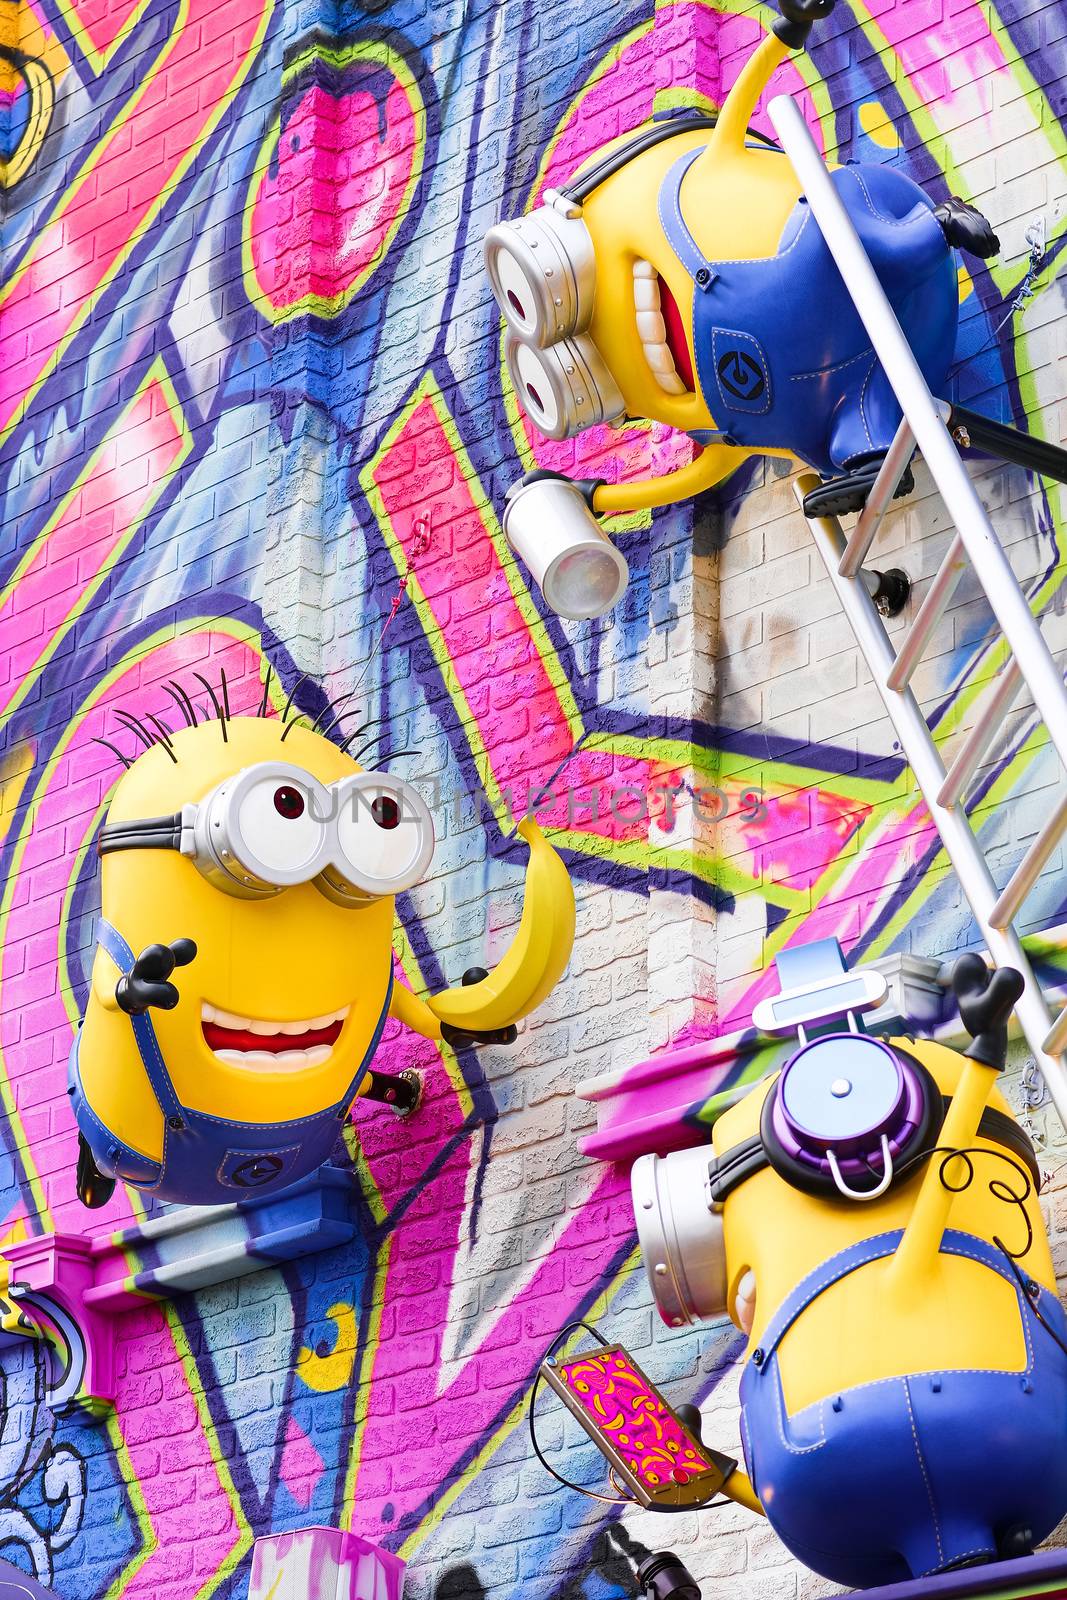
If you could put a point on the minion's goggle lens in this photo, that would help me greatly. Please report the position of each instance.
(273, 825)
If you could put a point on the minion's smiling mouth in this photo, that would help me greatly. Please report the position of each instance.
(661, 331)
(270, 1046)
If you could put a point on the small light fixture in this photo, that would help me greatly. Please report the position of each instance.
(549, 525)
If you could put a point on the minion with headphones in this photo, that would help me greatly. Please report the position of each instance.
(261, 862)
(869, 1218)
(681, 277)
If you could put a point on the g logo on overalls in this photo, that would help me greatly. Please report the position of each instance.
(253, 1171)
(740, 376)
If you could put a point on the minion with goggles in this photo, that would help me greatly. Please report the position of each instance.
(262, 861)
(869, 1217)
(680, 277)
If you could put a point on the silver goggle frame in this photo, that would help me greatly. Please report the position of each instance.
(232, 838)
(542, 270)
(564, 388)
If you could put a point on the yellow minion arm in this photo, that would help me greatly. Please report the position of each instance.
(413, 1013)
(739, 109)
(105, 976)
(536, 957)
(738, 1487)
(917, 1253)
(714, 463)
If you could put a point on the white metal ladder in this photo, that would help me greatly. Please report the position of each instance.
(926, 427)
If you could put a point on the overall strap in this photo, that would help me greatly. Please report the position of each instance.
(346, 1099)
(674, 225)
(880, 1245)
(110, 940)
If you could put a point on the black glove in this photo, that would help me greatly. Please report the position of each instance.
(460, 1038)
(146, 983)
(797, 19)
(985, 1001)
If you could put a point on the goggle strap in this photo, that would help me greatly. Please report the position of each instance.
(681, 121)
(147, 833)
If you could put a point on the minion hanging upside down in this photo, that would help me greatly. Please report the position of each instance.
(680, 277)
(263, 860)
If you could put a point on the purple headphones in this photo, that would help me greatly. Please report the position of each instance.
(847, 1111)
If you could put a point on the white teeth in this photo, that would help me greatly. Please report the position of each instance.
(266, 1061)
(285, 1061)
(230, 1019)
(659, 358)
(646, 294)
(652, 329)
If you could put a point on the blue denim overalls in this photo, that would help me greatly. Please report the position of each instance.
(782, 358)
(208, 1160)
(905, 1476)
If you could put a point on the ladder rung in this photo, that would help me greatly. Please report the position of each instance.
(1028, 871)
(1056, 1038)
(928, 615)
(879, 500)
(975, 744)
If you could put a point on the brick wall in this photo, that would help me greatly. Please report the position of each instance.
(246, 344)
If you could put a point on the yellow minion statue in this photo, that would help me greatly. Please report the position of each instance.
(244, 964)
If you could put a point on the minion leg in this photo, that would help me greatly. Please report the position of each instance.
(94, 1189)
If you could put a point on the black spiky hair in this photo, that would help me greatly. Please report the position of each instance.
(328, 722)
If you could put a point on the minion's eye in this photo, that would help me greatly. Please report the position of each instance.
(385, 811)
(385, 833)
(288, 802)
(274, 824)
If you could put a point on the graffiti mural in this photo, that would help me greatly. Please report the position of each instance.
(253, 413)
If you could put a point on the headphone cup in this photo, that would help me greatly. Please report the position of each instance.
(819, 1182)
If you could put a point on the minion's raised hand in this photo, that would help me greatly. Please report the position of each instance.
(798, 19)
(146, 985)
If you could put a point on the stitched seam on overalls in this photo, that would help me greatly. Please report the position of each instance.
(890, 222)
(828, 372)
(113, 1139)
(922, 1469)
(826, 1282)
(863, 401)
(969, 1255)
(779, 1419)
(720, 261)
(979, 1550)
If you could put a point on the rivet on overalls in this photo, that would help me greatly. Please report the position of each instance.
(175, 1124)
(757, 1358)
(702, 276)
(837, 1403)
